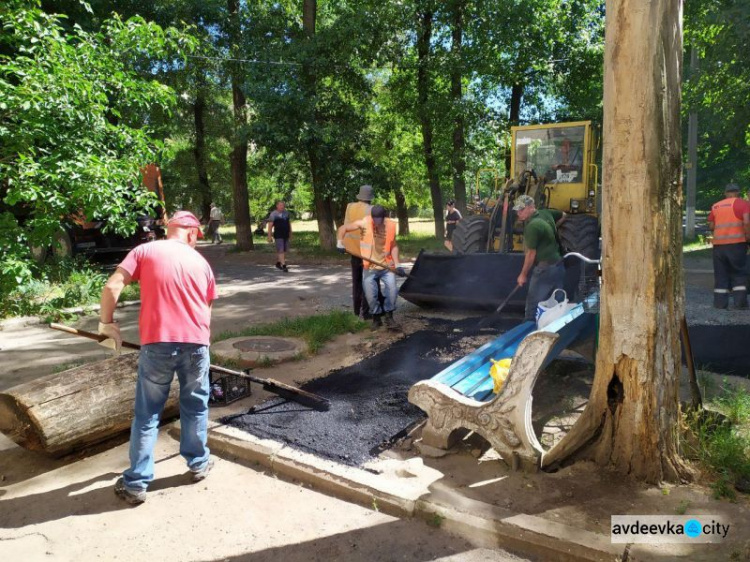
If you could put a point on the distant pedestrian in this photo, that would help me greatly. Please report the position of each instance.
(378, 243)
(280, 233)
(177, 291)
(729, 220)
(215, 220)
(452, 217)
(351, 243)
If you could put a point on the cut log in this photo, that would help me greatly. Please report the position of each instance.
(74, 409)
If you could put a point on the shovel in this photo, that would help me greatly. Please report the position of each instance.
(494, 316)
(279, 388)
(375, 262)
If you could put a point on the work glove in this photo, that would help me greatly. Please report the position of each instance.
(114, 339)
(400, 271)
(340, 248)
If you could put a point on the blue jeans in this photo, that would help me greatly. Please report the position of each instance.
(370, 280)
(545, 278)
(157, 365)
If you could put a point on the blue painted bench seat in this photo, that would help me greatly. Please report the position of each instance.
(470, 376)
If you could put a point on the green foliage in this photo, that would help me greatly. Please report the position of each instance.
(72, 137)
(719, 91)
(316, 330)
(722, 444)
(61, 285)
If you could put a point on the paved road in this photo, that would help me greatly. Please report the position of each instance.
(66, 511)
(248, 294)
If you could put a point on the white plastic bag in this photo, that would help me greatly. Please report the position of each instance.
(550, 310)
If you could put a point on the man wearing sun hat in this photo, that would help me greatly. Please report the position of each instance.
(177, 290)
(542, 252)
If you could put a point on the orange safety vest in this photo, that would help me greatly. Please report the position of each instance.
(728, 229)
(367, 244)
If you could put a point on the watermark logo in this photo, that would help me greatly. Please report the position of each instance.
(665, 529)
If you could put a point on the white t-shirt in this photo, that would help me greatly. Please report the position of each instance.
(216, 214)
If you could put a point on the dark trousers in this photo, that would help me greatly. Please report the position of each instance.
(545, 278)
(730, 267)
(358, 294)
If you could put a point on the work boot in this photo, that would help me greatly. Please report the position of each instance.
(133, 497)
(200, 475)
(284, 268)
(721, 300)
(739, 296)
(377, 322)
(390, 323)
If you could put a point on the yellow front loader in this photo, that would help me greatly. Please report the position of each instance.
(556, 165)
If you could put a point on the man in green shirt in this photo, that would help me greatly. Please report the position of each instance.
(542, 252)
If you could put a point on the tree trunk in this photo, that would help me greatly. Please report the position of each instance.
(199, 154)
(71, 410)
(238, 156)
(402, 211)
(632, 418)
(516, 95)
(458, 158)
(323, 204)
(423, 86)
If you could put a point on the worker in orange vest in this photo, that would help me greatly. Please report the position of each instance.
(730, 222)
(379, 252)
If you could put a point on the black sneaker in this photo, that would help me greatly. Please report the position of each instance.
(278, 265)
(200, 475)
(377, 322)
(132, 497)
(284, 268)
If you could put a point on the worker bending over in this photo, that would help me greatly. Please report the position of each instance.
(379, 251)
(177, 290)
(729, 220)
(542, 252)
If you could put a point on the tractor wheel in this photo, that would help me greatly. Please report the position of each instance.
(470, 236)
(580, 233)
(62, 245)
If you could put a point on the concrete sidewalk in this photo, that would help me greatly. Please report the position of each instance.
(66, 511)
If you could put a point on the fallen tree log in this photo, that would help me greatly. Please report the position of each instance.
(76, 408)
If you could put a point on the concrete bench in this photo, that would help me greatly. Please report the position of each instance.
(461, 397)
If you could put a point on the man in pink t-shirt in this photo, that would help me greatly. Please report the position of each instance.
(177, 290)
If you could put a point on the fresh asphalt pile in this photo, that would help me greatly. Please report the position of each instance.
(369, 404)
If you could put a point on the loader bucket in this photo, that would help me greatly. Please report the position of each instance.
(470, 281)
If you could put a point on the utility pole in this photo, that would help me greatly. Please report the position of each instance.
(692, 163)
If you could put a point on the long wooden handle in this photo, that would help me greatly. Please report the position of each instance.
(375, 262)
(271, 385)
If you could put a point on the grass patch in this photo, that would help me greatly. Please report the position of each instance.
(722, 442)
(316, 330)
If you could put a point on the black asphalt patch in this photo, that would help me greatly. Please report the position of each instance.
(721, 349)
(369, 404)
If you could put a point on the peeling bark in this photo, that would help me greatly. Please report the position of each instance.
(631, 421)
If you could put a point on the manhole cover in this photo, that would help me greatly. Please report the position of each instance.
(266, 345)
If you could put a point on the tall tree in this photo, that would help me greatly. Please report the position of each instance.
(238, 157)
(458, 159)
(631, 420)
(323, 204)
(425, 14)
(199, 146)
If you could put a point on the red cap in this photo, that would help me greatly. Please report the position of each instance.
(186, 219)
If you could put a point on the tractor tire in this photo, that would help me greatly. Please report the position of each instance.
(580, 233)
(62, 245)
(470, 236)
